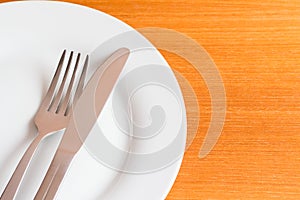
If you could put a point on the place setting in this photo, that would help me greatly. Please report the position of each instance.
(90, 109)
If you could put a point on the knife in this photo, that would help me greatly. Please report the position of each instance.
(84, 116)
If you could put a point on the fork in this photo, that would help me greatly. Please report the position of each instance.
(53, 115)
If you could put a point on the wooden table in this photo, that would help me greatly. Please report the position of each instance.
(256, 47)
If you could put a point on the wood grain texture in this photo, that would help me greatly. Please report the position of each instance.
(256, 46)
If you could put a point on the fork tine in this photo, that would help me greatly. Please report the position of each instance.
(80, 85)
(56, 100)
(66, 99)
(50, 92)
(79, 89)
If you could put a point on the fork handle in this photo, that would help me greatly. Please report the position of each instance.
(15, 180)
(55, 175)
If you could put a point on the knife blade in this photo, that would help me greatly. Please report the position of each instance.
(84, 116)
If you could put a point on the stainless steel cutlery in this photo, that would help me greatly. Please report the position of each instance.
(74, 109)
(84, 116)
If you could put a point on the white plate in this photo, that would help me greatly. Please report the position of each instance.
(32, 36)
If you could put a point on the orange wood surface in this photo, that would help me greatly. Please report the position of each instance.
(256, 47)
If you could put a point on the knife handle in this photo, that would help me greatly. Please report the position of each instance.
(54, 176)
(15, 180)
